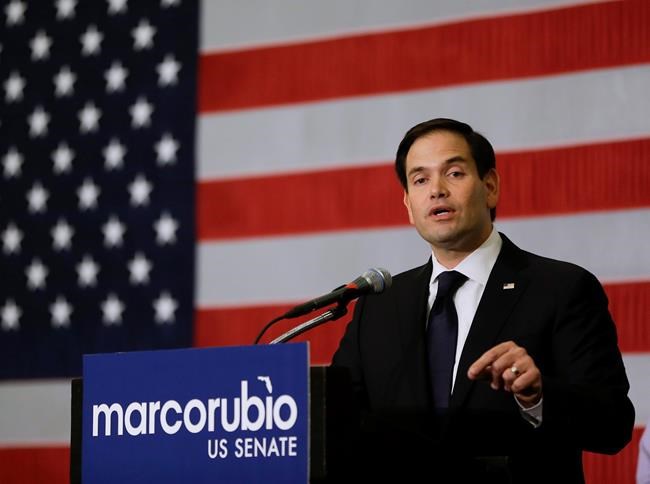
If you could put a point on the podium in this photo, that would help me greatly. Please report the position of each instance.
(333, 425)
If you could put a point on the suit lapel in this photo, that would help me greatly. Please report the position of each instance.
(504, 287)
(411, 307)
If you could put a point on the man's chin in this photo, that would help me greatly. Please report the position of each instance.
(451, 240)
(446, 241)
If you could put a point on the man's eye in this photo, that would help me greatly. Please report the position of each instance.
(456, 174)
(419, 181)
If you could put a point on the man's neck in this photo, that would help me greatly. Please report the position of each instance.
(450, 258)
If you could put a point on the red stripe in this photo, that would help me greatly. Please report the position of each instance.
(35, 465)
(629, 304)
(555, 181)
(619, 468)
(515, 46)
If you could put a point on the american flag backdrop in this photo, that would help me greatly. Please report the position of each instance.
(97, 185)
(150, 197)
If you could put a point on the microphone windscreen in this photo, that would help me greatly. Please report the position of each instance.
(379, 279)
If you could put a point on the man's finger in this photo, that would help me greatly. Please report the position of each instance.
(526, 384)
(488, 358)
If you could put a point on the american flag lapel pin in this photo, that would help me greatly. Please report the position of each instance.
(509, 285)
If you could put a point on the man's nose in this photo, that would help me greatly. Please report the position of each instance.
(438, 188)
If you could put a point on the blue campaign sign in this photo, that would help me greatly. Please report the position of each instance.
(232, 414)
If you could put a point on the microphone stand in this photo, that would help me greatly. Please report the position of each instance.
(329, 315)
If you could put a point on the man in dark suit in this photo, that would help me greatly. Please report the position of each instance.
(488, 363)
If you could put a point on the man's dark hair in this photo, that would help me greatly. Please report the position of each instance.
(479, 146)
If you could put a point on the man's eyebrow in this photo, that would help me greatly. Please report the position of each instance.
(416, 169)
(456, 159)
(449, 161)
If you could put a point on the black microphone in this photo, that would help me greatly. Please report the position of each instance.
(373, 281)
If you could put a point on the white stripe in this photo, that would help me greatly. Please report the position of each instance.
(514, 115)
(38, 413)
(637, 367)
(34, 413)
(612, 245)
(230, 24)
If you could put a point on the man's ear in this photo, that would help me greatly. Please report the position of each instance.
(407, 204)
(492, 185)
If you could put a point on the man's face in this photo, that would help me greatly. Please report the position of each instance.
(447, 201)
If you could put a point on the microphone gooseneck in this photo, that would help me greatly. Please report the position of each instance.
(373, 281)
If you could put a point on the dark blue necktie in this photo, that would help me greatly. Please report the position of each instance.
(442, 334)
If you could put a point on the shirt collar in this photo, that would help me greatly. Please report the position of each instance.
(477, 265)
